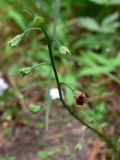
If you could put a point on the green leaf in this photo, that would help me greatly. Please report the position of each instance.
(7, 158)
(89, 23)
(95, 64)
(85, 59)
(106, 2)
(16, 40)
(17, 17)
(110, 24)
(116, 61)
(70, 80)
(99, 58)
(46, 154)
(96, 70)
(110, 19)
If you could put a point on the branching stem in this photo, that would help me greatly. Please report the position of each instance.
(107, 140)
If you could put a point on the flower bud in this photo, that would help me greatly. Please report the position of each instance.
(16, 40)
(38, 21)
(64, 50)
(25, 71)
(34, 108)
(79, 147)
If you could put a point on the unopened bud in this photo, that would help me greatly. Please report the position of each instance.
(25, 71)
(34, 108)
(64, 50)
(16, 40)
(38, 21)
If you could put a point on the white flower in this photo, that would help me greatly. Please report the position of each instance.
(3, 85)
(54, 93)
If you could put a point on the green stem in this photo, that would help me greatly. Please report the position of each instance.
(31, 29)
(52, 63)
(56, 15)
(107, 140)
(38, 65)
(63, 83)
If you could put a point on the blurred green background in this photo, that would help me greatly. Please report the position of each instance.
(90, 29)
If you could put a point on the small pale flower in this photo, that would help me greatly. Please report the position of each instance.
(54, 93)
(3, 85)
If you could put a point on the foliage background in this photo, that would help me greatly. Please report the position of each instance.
(90, 29)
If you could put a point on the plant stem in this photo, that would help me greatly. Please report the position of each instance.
(38, 65)
(62, 83)
(53, 64)
(107, 140)
(56, 15)
(31, 29)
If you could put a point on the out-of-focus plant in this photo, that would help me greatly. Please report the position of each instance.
(47, 154)
(3, 85)
(99, 37)
(108, 25)
(80, 97)
(7, 158)
(97, 65)
(106, 2)
(95, 116)
(103, 43)
(79, 145)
